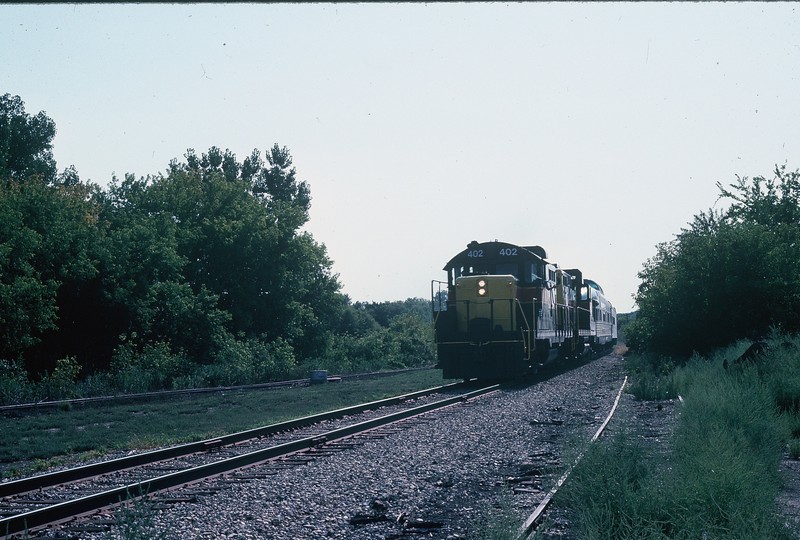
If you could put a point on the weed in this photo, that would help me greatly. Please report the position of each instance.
(720, 479)
(136, 519)
(499, 522)
(794, 448)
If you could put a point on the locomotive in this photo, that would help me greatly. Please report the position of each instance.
(505, 311)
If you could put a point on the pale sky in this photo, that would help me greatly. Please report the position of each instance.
(594, 130)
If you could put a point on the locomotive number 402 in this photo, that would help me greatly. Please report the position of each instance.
(475, 253)
(508, 252)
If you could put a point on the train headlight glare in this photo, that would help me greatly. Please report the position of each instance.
(482, 283)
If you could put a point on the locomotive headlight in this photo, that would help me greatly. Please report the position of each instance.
(482, 287)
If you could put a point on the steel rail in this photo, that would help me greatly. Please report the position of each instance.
(63, 511)
(25, 485)
(533, 520)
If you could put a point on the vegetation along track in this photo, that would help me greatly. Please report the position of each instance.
(535, 519)
(26, 507)
(162, 394)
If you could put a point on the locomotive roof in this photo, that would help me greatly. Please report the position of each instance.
(492, 249)
(594, 285)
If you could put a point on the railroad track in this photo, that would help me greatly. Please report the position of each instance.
(535, 519)
(34, 503)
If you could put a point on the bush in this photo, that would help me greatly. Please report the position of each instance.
(153, 367)
(690, 291)
(651, 377)
(60, 384)
(413, 339)
(350, 354)
(248, 362)
(141, 365)
(14, 384)
(406, 342)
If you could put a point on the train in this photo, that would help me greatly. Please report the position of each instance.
(505, 311)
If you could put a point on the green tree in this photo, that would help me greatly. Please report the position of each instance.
(203, 263)
(729, 275)
(49, 253)
(25, 142)
(27, 302)
(236, 227)
(772, 202)
(146, 274)
(384, 312)
(49, 246)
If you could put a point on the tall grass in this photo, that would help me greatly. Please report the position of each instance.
(616, 493)
(721, 477)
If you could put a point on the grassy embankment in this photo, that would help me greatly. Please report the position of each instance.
(720, 478)
(44, 438)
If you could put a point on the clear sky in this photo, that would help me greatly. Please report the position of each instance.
(594, 130)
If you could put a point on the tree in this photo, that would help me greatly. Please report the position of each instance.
(50, 247)
(49, 256)
(199, 263)
(384, 312)
(237, 228)
(729, 275)
(27, 303)
(25, 142)
(769, 202)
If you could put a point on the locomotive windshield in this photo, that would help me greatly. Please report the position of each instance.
(508, 268)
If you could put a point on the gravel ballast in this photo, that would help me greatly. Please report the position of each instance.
(452, 474)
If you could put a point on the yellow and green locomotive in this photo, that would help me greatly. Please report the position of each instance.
(505, 311)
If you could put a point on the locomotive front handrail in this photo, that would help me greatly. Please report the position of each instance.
(526, 332)
(436, 296)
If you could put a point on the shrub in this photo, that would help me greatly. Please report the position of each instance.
(60, 384)
(651, 377)
(153, 367)
(414, 342)
(244, 362)
(14, 384)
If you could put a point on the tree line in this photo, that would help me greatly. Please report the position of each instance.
(731, 274)
(201, 275)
